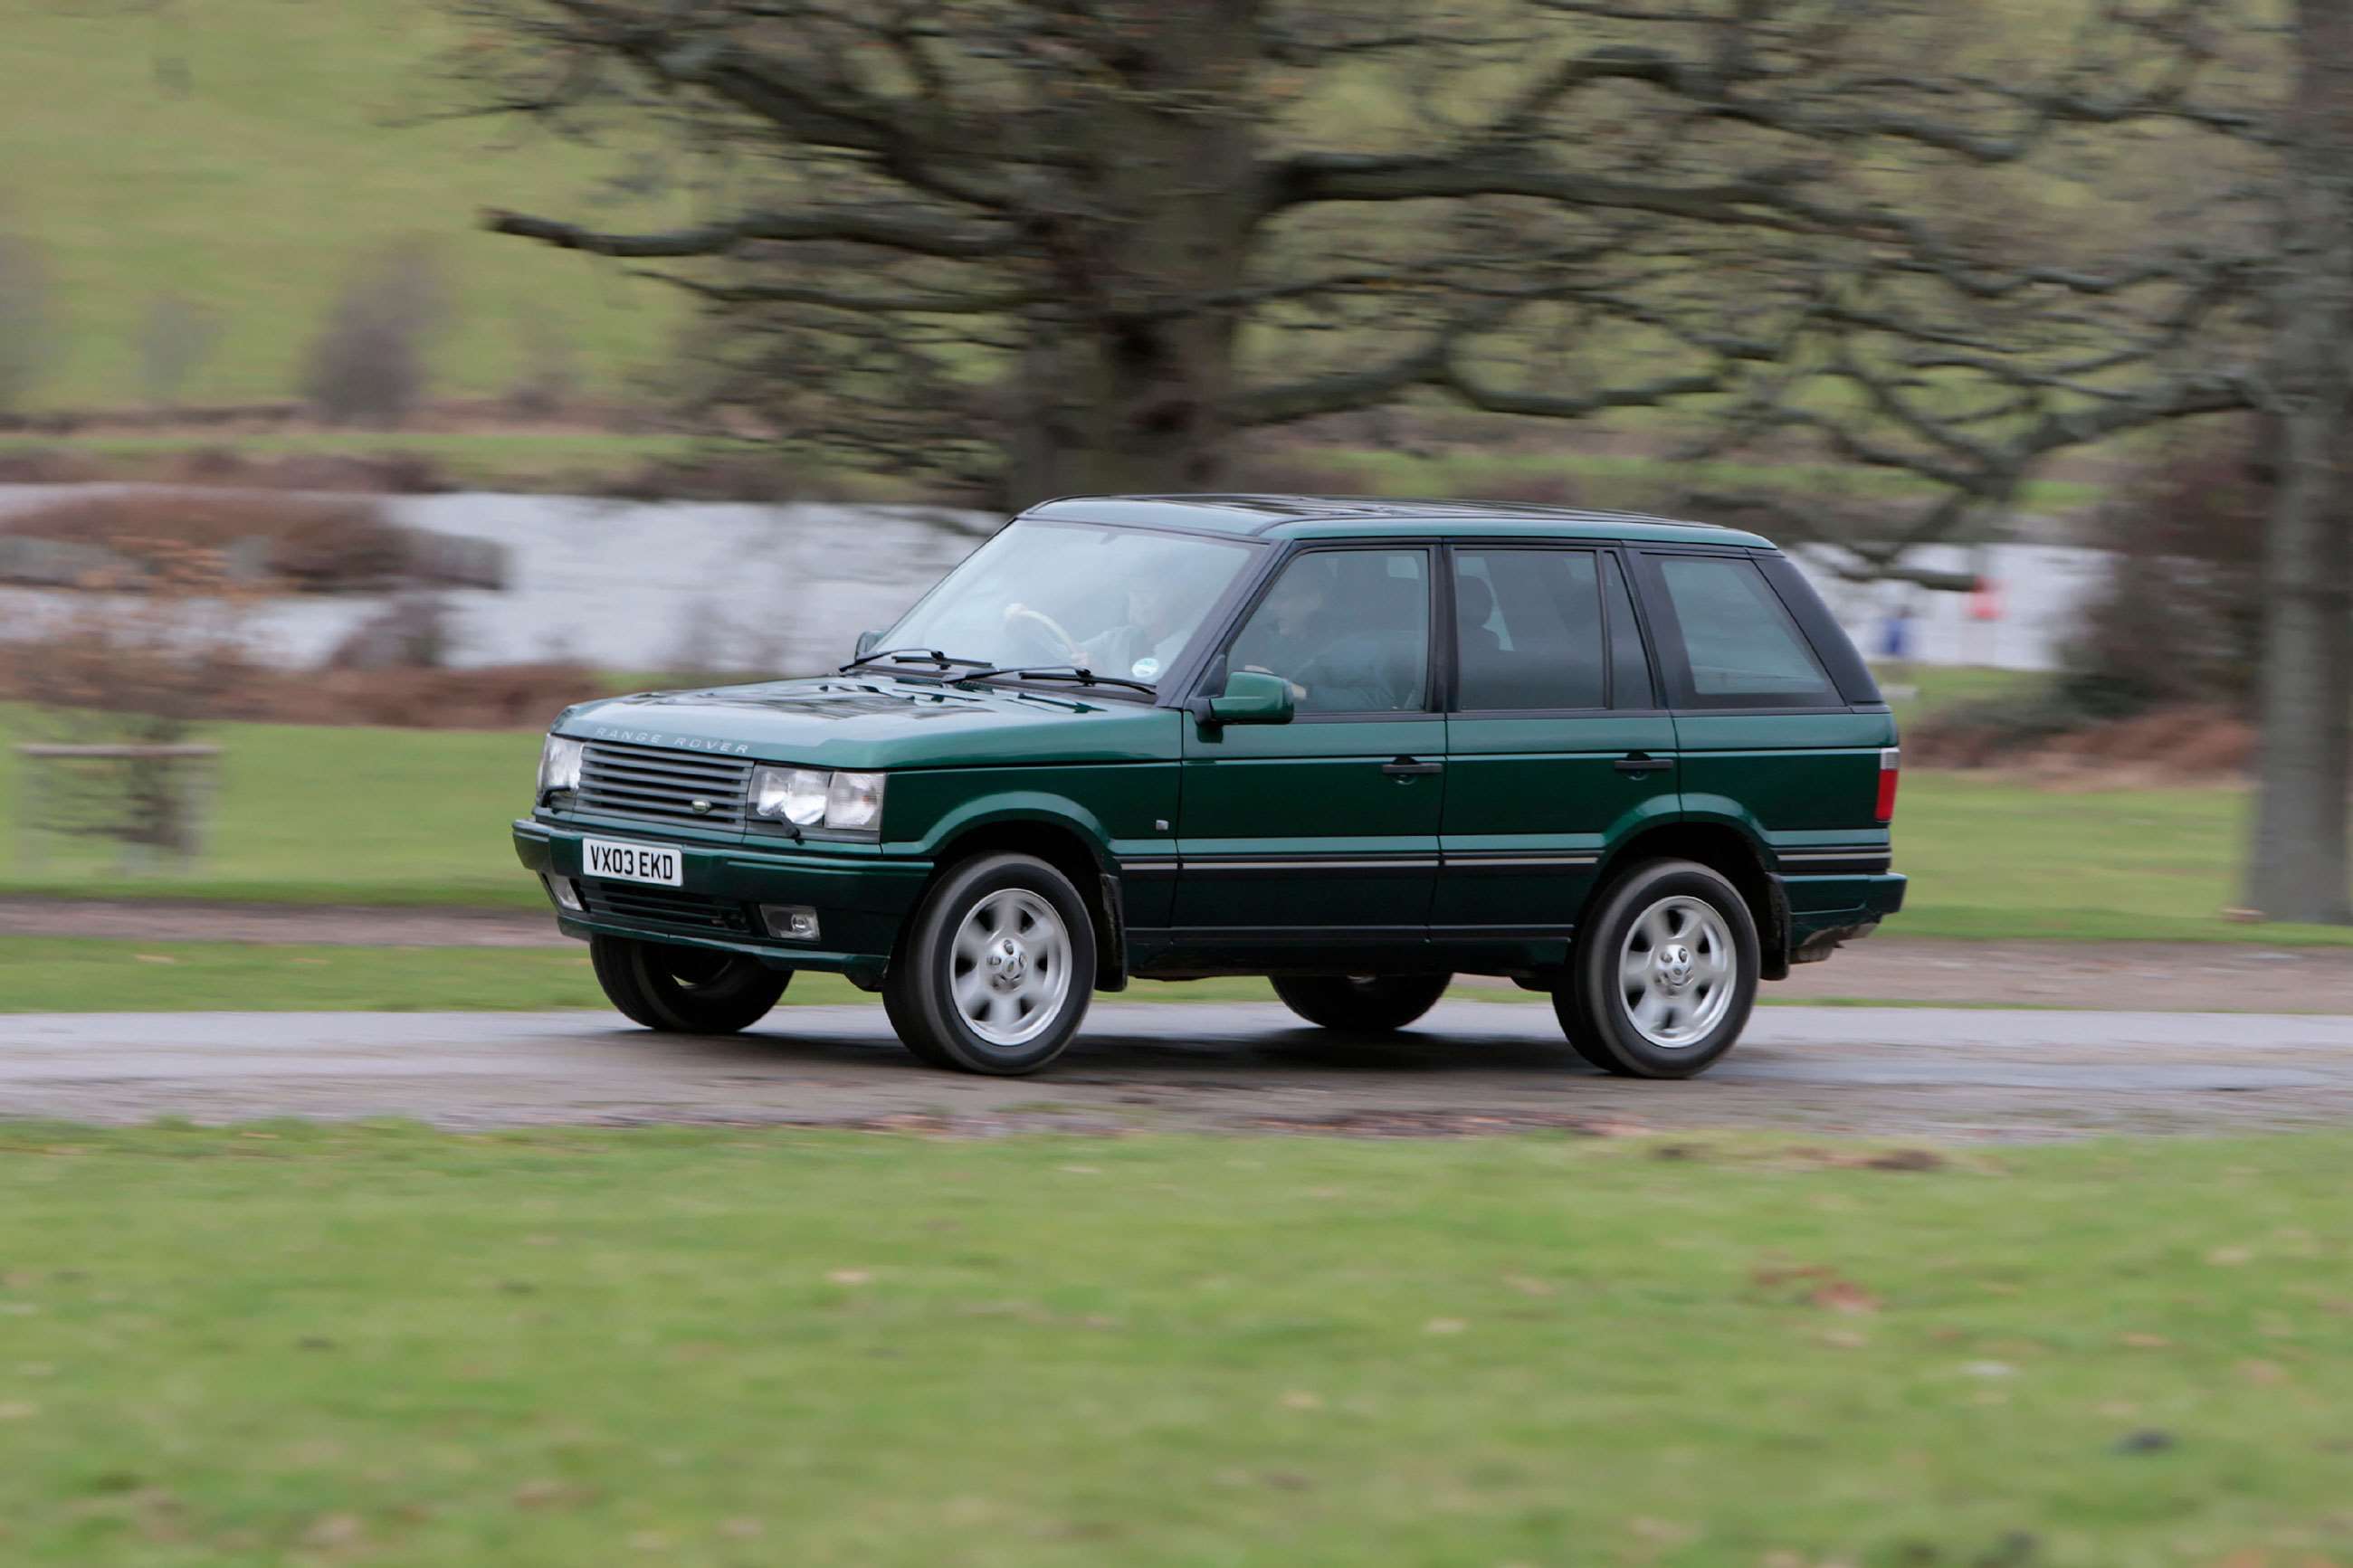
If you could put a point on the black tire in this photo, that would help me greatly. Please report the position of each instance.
(684, 990)
(1366, 1004)
(918, 1045)
(1596, 1006)
(1057, 969)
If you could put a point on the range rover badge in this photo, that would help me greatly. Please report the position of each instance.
(701, 807)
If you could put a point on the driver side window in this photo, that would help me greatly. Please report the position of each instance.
(1348, 628)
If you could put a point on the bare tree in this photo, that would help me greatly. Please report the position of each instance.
(1098, 237)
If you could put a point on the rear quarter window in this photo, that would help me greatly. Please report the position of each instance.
(1740, 645)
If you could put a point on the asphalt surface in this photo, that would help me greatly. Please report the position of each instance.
(1469, 1067)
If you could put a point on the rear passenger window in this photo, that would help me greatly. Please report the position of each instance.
(1629, 666)
(1740, 643)
(1528, 624)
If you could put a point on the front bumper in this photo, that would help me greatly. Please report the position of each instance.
(861, 899)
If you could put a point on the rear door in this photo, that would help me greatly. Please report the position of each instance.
(1779, 731)
(1325, 826)
(1556, 742)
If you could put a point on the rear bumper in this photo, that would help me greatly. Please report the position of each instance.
(1826, 911)
(861, 900)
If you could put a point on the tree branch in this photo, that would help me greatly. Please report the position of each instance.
(890, 228)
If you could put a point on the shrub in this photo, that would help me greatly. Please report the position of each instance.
(2180, 618)
(550, 375)
(367, 363)
(132, 671)
(29, 328)
(175, 337)
(308, 543)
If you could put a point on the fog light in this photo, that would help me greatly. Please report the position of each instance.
(561, 889)
(791, 921)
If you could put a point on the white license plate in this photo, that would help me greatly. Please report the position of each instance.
(630, 862)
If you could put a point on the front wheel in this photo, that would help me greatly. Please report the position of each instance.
(1664, 975)
(996, 968)
(684, 990)
(1361, 1005)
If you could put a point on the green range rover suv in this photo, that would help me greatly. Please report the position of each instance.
(1358, 746)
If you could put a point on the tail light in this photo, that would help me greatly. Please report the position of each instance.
(1891, 766)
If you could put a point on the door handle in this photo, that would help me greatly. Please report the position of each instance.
(1411, 768)
(1641, 762)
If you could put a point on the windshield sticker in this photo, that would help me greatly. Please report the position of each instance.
(1145, 669)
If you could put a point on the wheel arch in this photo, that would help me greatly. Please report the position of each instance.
(1063, 842)
(1722, 847)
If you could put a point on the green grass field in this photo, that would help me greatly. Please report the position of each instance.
(251, 192)
(301, 1344)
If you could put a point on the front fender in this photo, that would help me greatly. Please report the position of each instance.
(1038, 807)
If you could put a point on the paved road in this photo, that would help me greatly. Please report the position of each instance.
(1469, 1067)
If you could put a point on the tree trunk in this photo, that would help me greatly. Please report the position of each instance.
(1129, 378)
(2298, 867)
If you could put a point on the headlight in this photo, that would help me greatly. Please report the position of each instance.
(559, 764)
(854, 802)
(789, 795)
(807, 797)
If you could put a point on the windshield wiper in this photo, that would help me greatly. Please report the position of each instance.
(907, 656)
(1078, 672)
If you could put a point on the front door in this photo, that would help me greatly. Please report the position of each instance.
(1558, 745)
(1325, 827)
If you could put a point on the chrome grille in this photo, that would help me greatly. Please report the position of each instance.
(662, 785)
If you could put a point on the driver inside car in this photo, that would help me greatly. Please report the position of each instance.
(1334, 639)
(1164, 603)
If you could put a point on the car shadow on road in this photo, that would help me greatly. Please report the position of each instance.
(1121, 1053)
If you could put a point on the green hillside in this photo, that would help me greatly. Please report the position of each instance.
(240, 152)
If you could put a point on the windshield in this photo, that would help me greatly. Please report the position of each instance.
(1117, 601)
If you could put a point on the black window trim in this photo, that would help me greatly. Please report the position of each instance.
(1667, 653)
(1641, 637)
(1438, 680)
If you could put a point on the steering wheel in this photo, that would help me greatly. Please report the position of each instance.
(1045, 633)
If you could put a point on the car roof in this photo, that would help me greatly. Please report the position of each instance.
(1352, 517)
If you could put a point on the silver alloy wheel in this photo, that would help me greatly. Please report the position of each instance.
(1009, 967)
(1677, 971)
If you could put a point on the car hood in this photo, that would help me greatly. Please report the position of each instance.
(877, 722)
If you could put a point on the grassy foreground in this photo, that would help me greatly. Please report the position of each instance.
(398, 816)
(292, 1345)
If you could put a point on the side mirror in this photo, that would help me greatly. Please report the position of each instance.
(866, 641)
(1252, 698)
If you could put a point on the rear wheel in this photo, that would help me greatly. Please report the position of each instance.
(1664, 975)
(1361, 1005)
(684, 990)
(997, 970)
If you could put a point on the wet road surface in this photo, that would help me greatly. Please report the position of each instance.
(1469, 1066)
